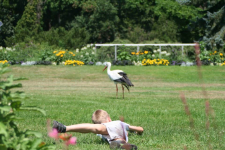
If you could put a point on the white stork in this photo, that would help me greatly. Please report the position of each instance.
(118, 76)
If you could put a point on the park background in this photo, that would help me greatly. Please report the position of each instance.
(178, 100)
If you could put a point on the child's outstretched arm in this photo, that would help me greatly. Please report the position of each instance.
(87, 128)
(138, 129)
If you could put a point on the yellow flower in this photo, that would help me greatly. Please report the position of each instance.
(209, 59)
(3, 61)
(61, 55)
(133, 53)
(215, 51)
(54, 52)
(221, 54)
(146, 52)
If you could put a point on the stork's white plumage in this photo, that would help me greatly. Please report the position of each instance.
(118, 76)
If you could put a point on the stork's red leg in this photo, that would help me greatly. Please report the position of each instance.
(116, 91)
(123, 90)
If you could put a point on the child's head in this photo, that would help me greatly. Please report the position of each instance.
(100, 116)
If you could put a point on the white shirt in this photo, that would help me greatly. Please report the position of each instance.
(116, 129)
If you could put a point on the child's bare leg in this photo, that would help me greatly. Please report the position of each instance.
(81, 128)
(86, 128)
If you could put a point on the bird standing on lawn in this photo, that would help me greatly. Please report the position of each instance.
(118, 76)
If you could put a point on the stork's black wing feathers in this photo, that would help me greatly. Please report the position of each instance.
(125, 78)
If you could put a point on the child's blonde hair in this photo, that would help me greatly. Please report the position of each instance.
(100, 116)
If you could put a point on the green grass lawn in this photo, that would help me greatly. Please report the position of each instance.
(71, 94)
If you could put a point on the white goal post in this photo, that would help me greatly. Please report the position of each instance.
(138, 46)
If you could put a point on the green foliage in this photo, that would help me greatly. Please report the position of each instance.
(7, 54)
(10, 102)
(211, 23)
(99, 19)
(173, 20)
(139, 56)
(28, 25)
(58, 56)
(10, 13)
(138, 35)
(87, 55)
(7, 17)
(123, 54)
(72, 39)
(70, 24)
(165, 30)
(108, 53)
(216, 57)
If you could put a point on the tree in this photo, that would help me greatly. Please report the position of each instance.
(59, 13)
(174, 18)
(10, 13)
(29, 24)
(212, 23)
(99, 18)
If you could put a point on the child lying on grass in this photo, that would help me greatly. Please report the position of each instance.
(115, 132)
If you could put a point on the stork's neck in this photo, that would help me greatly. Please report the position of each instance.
(108, 68)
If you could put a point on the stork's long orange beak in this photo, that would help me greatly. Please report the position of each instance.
(105, 68)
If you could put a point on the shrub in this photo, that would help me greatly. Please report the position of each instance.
(108, 53)
(137, 35)
(7, 54)
(87, 55)
(11, 138)
(122, 63)
(216, 57)
(60, 37)
(123, 54)
(135, 57)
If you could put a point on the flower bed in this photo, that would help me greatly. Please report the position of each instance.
(155, 62)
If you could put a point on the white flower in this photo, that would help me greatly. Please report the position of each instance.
(8, 48)
(1, 47)
(81, 55)
(88, 45)
(93, 53)
(163, 52)
(53, 63)
(94, 48)
(87, 53)
(99, 63)
(153, 55)
(158, 50)
(13, 49)
(155, 51)
(167, 54)
(77, 50)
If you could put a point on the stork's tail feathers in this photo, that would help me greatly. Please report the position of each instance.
(127, 87)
